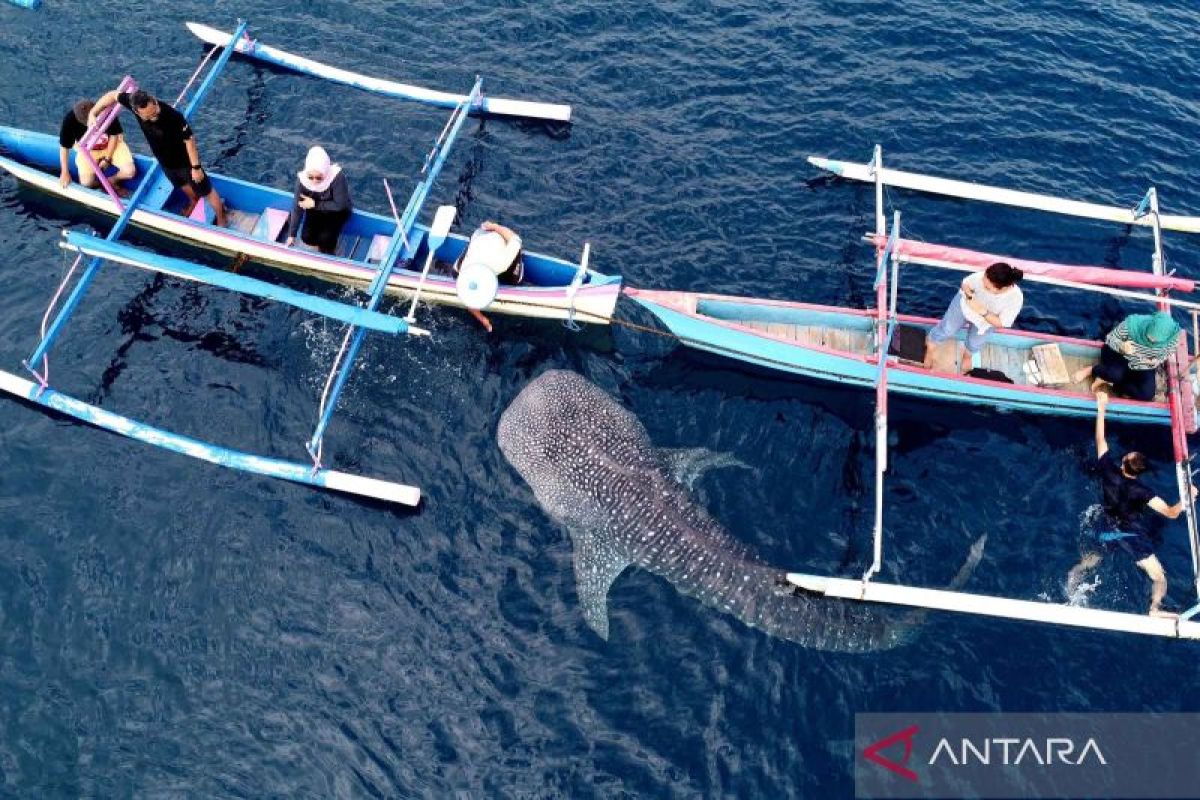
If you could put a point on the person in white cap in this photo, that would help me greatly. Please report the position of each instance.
(322, 198)
(499, 250)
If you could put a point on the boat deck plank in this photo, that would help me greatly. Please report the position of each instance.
(242, 221)
(1007, 359)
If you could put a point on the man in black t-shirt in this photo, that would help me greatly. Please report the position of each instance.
(172, 143)
(1126, 525)
(109, 149)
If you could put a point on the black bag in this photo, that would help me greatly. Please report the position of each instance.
(989, 375)
(908, 342)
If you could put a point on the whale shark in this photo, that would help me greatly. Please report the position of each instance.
(592, 468)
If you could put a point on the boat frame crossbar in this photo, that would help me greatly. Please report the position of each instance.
(1176, 375)
(885, 330)
(108, 249)
(401, 246)
(150, 178)
(868, 590)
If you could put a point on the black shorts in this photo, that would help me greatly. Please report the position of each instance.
(182, 176)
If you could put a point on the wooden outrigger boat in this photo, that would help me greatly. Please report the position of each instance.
(495, 106)
(838, 344)
(853, 346)
(374, 254)
(554, 288)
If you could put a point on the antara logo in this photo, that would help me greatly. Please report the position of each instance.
(998, 751)
(1016, 751)
(873, 752)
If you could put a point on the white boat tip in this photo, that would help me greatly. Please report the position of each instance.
(811, 583)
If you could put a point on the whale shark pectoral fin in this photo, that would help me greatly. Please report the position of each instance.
(688, 464)
(597, 565)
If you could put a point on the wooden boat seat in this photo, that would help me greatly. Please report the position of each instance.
(347, 245)
(270, 224)
(378, 248)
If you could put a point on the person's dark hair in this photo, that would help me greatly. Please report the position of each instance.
(81, 110)
(140, 99)
(1135, 463)
(1002, 274)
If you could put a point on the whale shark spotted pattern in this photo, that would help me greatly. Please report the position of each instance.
(592, 467)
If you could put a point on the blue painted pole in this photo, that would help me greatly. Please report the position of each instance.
(85, 280)
(133, 256)
(379, 285)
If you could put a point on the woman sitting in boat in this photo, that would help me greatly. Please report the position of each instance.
(109, 149)
(985, 300)
(1132, 353)
(498, 249)
(322, 198)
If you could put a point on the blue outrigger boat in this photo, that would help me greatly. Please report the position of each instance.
(377, 254)
(838, 344)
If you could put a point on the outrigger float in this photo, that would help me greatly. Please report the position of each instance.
(494, 106)
(375, 254)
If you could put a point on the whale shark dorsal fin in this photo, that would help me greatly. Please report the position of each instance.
(688, 464)
(597, 565)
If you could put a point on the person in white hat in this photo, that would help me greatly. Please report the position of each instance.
(499, 250)
(322, 198)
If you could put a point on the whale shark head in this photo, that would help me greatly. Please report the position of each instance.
(592, 467)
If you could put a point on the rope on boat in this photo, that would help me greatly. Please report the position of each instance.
(44, 378)
(196, 74)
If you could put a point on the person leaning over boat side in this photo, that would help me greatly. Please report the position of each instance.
(1132, 353)
(1126, 526)
(984, 300)
(499, 249)
(172, 142)
(108, 149)
(322, 198)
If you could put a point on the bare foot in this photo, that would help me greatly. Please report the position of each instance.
(188, 209)
(121, 190)
(484, 321)
(1158, 613)
(1081, 375)
(1100, 385)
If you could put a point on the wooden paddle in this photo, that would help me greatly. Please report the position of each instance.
(438, 230)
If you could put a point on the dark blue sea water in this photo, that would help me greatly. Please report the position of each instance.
(170, 629)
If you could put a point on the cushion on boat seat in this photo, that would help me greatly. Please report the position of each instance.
(379, 246)
(908, 342)
(203, 212)
(270, 224)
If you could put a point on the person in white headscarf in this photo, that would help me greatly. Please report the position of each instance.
(498, 249)
(322, 199)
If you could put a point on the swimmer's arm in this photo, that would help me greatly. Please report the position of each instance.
(1170, 512)
(1101, 440)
